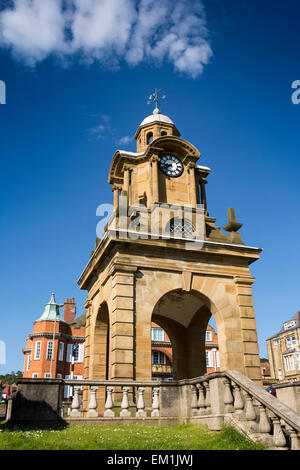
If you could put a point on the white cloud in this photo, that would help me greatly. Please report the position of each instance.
(126, 140)
(109, 31)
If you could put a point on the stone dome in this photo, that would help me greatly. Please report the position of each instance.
(156, 117)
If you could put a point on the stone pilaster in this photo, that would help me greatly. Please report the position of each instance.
(122, 358)
(248, 327)
(155, 185)
(192, 177)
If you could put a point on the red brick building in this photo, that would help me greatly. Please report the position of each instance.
(162, 352)
(55, 348)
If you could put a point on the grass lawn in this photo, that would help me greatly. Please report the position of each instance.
(132, 437)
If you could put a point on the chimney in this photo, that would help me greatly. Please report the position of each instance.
(69, 310)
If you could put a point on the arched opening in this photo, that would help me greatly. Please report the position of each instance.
(100, 358)
(149, 138)
(161, 354)
(163, 133)
(185, 317)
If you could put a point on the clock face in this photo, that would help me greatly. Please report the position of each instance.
(171, 166)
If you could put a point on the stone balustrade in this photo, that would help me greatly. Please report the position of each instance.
(247, 407)
(127, 408)
(214, 399)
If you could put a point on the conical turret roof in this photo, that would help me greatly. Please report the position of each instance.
(51, 312)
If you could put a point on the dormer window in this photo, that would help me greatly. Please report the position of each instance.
(149, 138)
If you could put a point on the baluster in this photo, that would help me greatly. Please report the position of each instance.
(155, 403)
(75, 413)
(207, 399)
(109, 413)
(141, 413)
(295, 444)
(250, 413)
(278, 435)
(201, 400)
(125, 413)
(194, 402)
(264, 426)
(92, 413)
(228, 398)
(238, 401)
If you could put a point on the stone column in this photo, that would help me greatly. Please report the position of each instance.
(126, 182)
(122, 323)
(192, 181)
(203, 193)
(115, 190)
(155, 184)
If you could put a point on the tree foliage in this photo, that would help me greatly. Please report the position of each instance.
(10, 378)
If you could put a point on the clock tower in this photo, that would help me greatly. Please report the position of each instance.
(134, 278)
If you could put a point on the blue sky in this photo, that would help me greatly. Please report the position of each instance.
(70, 102)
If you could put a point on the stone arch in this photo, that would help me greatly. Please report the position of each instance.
(210, 295)
(101, 344)
(186, 329)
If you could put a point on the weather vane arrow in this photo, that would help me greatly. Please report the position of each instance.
(153, 98)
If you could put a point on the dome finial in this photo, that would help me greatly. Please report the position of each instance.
(153, 98)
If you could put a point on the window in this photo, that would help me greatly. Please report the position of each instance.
(163, 133)
(288, 342)
(279, 374)
(35, 375)
(208, 336)
(276, 342)
(294, 340)
(28, 363)
(289, 363)
(59, 376)
(49, 354)
(157, 334)
(180, 226)
(47, 375)
(297, 358)
(149, 138)
(158, 357)
(61, 351)
(37, 352)
(69, 352)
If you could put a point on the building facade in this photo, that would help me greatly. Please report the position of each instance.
(55, 348)
(162, 360)
(284, 351)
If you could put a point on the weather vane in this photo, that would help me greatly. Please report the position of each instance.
(153, 98)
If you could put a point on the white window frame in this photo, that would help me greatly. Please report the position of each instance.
(69, 352)
(208, 335)
(61, 351)
(35, 375)
(28, 363)
(161, 358)
(288, 342)
(37, 350)
(47, 375)
(209, 359)
(157, 334)
(50, 342)
(276, 341)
